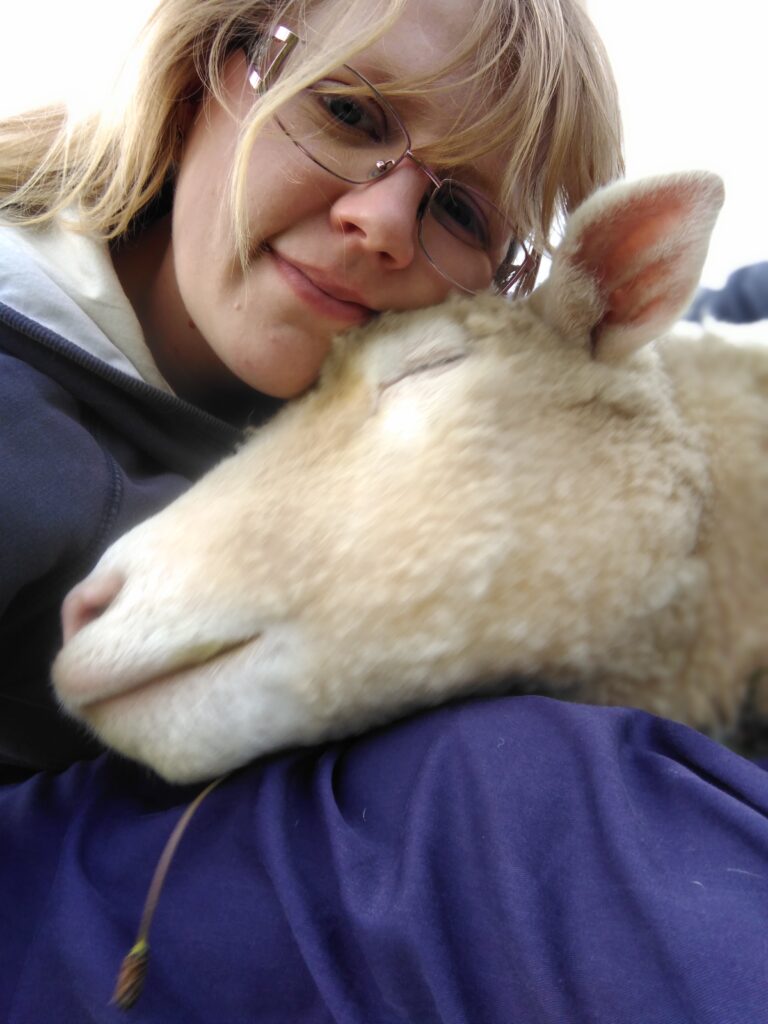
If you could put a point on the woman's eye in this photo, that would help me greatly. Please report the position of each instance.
(356, 114)
(460, 214)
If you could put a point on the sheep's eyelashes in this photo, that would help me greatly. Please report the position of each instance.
(429, 369)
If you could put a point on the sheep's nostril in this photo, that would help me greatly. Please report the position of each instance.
(87, 601)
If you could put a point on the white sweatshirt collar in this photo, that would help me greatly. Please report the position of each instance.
(67, 282)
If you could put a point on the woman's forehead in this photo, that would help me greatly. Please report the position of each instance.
(423, 40)
(428, 33)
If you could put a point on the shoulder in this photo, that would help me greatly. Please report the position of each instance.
(42, 434)
(514, 843)
(54, 476)
(74, 475)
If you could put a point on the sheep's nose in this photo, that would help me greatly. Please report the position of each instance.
(87, 601)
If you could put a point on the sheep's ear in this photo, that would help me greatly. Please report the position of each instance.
(630, 261)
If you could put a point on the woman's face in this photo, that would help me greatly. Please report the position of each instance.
(328, 255)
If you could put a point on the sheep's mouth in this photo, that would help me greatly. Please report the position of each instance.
(200, 655)
(191, 660)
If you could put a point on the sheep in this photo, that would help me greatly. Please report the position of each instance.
(551, 494)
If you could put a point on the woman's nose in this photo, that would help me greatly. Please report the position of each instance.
(381, 217)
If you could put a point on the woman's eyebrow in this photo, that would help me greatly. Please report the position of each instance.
(467, 173)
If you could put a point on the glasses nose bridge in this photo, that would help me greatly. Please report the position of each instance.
(437, 182)
(383, 168)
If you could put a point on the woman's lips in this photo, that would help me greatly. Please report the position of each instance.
(332, 303)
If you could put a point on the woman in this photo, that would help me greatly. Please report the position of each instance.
(487, 861)
(238, 246)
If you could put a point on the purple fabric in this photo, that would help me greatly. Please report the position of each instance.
(512, 859)
(742, 300)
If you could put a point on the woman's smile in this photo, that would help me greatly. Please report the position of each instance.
(324, 295)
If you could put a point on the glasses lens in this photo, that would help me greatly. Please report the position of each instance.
(464, 235)
(345, 127)
(348, 128)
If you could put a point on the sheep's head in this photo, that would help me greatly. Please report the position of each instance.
(470, 491)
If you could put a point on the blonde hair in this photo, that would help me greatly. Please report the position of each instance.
(548, 97)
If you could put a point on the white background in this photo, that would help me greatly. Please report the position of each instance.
(693, 80)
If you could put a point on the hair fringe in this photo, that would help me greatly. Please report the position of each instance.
(535, 70)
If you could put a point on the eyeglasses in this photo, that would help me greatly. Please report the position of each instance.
(349, 129)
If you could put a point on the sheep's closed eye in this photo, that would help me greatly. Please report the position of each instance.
(431, 368)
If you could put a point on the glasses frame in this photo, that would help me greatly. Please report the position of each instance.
(260, 82)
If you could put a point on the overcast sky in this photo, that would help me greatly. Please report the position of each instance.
(692, 75)
(693, 80)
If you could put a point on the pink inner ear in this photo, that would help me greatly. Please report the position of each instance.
(638, 300)
(644, 253)
(630, 260)
(616, 243)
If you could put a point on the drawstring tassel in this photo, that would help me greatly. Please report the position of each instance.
(130, 980)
